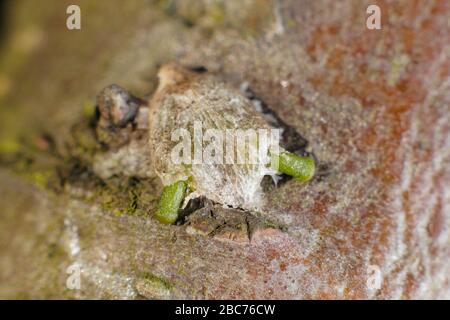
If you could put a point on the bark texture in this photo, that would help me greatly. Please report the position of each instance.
(374, 106)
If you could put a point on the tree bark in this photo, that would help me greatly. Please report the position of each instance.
(374, 106)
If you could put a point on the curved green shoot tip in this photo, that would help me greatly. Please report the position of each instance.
(301, 168)
(170, 202)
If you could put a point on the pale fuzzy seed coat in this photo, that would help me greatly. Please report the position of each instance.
(183, 97)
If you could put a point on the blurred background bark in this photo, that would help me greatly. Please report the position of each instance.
(373, 104)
